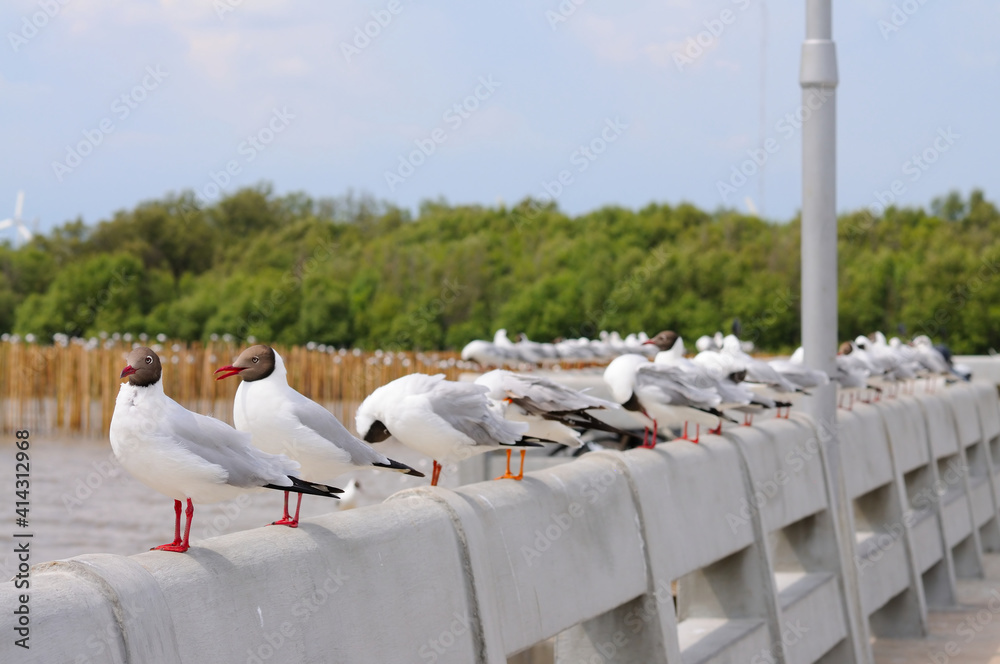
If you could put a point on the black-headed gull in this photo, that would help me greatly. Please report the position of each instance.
(701, 376)
(282, 421)
(661, 392)
(187, 456)
(442, 419)
(553, 412)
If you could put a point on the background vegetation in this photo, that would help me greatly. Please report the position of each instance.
(353, 271)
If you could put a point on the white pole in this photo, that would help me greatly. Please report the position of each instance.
(818, 78)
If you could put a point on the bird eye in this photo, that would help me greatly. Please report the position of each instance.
(149, 360)
(254, 360)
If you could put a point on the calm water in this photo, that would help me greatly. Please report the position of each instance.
(82, 501)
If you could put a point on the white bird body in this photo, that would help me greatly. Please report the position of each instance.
(184, 455)
(547, 407)
(283, 421)
(664, 392)
(442, 419)
(187, 456)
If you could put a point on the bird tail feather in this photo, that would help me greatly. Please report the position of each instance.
(310, 488)
(401, 467)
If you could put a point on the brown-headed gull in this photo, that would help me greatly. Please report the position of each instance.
(282, 421)
(699, 375)
(661, 392)
(443, 419)
(187, 456)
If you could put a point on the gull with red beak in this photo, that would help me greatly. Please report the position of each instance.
(187, 456)
(282, 421)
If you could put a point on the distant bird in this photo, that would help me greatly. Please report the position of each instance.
(552, 411)
(443, 419)
(661, 393)
(714, 372)
(188, 456)
(282, 421)
(349, 499)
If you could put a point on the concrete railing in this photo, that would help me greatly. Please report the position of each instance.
(729, 550)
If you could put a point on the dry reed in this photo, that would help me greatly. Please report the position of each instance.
(71, 389)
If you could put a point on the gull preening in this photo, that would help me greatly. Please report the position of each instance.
(283, 421)
(187, 456)
(661, 393)
(552, 411)
(445, 420)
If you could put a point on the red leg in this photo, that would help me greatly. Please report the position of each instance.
(173, 546)
(178, 545)
(697, 432)
(436, 474)
(286, 519)
(747, 419)
(717, 430)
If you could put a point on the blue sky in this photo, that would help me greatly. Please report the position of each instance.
(107, 103)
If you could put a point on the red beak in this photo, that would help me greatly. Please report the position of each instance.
(230, 371)
(127, 371)
(648, 343)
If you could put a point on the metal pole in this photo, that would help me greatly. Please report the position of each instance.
(818, 78)
(819, 196)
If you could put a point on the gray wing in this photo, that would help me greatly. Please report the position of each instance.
(676, 386)
(465, 407)
(220, 444)
(326, 424)
(546, 396)
(800, 375)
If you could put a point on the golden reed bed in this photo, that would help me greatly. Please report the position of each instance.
(71, 389)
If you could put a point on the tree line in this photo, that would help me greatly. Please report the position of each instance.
(355, 271)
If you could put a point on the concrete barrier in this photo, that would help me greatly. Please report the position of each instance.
(729, 550)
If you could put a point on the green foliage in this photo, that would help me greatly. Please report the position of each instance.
(355, 271)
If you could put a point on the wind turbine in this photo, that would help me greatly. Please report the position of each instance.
(16, 221)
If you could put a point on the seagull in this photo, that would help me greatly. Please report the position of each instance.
(706, 375)
(660, 392)
(187, 456)
(349, 499)
(552, 411)
(443, 419)
(282, 421)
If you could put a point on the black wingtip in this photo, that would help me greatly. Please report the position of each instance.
(309, 488)
(401, 467)
(525, 442)
(718, 413)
